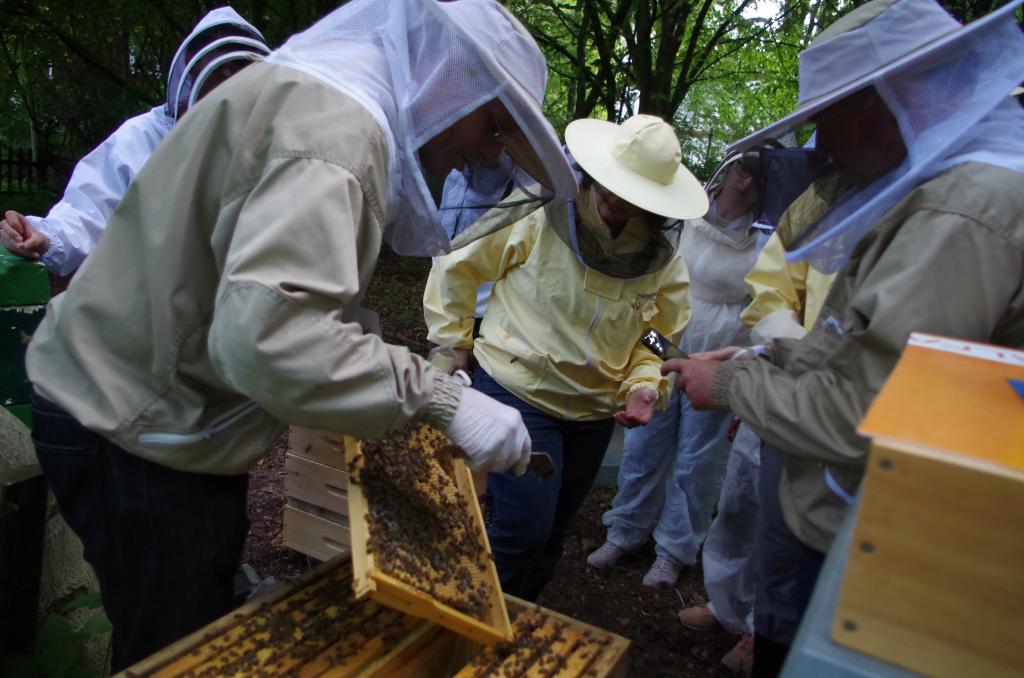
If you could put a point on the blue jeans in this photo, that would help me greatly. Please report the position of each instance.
(669, 480)
(164, 544)
(787, 570)
(530, 516)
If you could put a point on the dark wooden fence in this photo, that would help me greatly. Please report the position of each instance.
(17, 171)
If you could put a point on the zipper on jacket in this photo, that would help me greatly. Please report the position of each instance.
(224, 421)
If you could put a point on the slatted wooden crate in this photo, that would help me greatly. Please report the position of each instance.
(316, 482)
(314, 627)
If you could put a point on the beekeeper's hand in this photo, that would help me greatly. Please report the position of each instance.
(639, 408)
(19, 237)
(493, 435)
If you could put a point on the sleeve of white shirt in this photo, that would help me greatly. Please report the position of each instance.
(95, 188)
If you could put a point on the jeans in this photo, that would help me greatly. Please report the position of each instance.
(164, 544)
(530, 516)
(669, 480)
(787, 570)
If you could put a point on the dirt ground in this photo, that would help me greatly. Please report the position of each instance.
(613, 600)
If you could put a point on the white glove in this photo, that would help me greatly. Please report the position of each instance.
(493, 435)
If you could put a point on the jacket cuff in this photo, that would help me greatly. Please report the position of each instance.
(720, 385)
(444, 401)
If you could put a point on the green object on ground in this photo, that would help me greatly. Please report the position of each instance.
(23, 411)
(22, 282)
(24, 291)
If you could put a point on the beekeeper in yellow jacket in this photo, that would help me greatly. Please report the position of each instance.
(576, 285)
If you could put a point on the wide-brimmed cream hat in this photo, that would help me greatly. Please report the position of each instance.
(869, 43)
(639, 161)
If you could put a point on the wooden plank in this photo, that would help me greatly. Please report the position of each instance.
(316, 484)
(322, 447)
(313, 535)
(932, 582)
(319, 511)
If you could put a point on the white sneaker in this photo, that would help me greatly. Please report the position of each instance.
(607, 555)
(663, 574)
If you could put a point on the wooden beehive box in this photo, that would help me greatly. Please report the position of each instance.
(316, 484)
(312, 627)
(933, 580)
(315, 627)
(418, 538)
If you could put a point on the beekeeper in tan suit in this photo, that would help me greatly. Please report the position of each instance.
(912, 107)
(223, 301)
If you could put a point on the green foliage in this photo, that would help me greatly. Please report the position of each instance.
(59, 642)
(73, 71)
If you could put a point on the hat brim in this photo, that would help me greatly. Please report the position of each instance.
(590, 141)
(820, 103)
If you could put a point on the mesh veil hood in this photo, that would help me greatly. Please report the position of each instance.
(222, 29)
(951, 104)
(418, 66)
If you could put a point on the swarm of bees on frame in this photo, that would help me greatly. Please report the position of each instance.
(321, 623)
(542, 646)
(421, 528)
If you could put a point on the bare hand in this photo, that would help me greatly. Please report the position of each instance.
(462, 360)
(21, 238)
(639, 408)
(695, 379)
(726, 353)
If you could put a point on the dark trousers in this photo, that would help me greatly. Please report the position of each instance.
(787, 570)
(529, 516)
(164, 544)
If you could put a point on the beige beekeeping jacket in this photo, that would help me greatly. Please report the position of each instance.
(947, 260)
(223, 299)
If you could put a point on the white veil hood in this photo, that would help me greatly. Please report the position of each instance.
(181, 74)
(949, 97)
(418, 66)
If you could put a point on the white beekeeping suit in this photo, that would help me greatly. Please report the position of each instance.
(100, 179)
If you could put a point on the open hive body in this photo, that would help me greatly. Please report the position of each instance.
(315, 627)
(418, 539)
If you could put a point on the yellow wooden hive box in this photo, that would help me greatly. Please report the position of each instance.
(933, 582)
(316, 627)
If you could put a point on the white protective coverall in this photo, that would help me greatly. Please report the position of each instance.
(672, 468)
(100, 179)
(786, 299)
